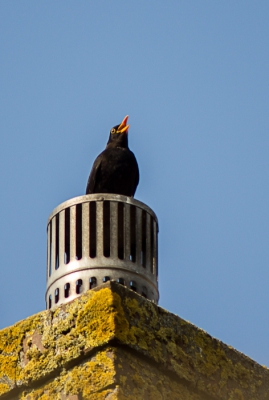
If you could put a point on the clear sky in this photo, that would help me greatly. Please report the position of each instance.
(193, 77)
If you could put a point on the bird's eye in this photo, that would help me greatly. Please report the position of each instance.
(113, 130)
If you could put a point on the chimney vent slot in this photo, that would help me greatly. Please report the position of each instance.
(133, 234)
(133, 286)
(92, 229)
(50, 301)
(144, 292)
(57, 295)
(106, 228)
(61, 237)
(79, 231)
(67, 236)
(78, 286)
(53, 244)
(144, 239)
(155, 250)
(138, 239)
(66, 290)
(57, 241)
(151, 254)
(93, 282)
(121, 231)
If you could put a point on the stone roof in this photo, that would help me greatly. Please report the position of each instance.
(112, 343)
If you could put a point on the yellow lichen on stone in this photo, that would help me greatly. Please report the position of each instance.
(4, 388)
(101, 316)
(144, 382)
(11, 342)
(65, 352)
(93, 376)
(188, 351)
(193, 353)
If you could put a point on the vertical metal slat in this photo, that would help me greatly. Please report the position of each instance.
(99, 229)
(61, 237)
(53, 243)
(148, 243)
(72, 233)
(138, 234)
(155, 249)
(85, 230)
(127, 231)
(113, 229)
(48, 253)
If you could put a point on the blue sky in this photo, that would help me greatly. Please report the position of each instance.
(193, 77)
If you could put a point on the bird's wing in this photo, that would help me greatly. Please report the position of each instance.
(137, 177)
(93, 175)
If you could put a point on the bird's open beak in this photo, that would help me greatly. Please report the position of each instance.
(123, 126)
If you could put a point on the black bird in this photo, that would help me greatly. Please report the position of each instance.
(115, 170)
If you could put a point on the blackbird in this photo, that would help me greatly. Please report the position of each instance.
(115, 170)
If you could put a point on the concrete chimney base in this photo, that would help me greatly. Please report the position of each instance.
(112, 343)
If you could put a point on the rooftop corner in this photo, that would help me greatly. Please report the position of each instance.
(113, 342)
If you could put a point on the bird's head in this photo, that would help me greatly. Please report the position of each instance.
(118, 134)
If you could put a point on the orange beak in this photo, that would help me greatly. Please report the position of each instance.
(123, 126)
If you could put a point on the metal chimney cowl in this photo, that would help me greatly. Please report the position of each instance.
(100, 237)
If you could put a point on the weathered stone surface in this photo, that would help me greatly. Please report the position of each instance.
(113, 344)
